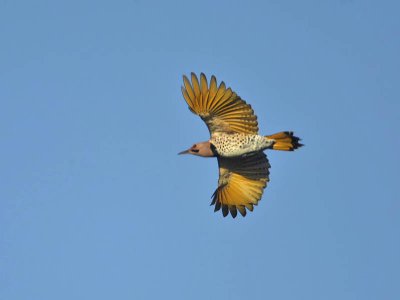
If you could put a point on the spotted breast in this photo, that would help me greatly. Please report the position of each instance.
(236, 144)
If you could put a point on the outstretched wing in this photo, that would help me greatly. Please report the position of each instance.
(220, 108)
(241, 183)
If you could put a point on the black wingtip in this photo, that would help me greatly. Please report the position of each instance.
(225, 210)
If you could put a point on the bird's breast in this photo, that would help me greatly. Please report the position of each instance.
(232, 145)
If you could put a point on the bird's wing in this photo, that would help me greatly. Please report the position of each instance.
(241, 183)
(219, 107)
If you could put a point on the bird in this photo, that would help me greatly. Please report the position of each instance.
(235, 142)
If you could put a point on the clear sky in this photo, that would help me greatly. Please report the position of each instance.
(95, 203)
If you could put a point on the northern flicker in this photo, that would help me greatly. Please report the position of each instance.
(235, 142)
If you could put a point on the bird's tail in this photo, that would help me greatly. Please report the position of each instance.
(284, 141)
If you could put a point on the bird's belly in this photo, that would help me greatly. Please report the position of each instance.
(233, 145)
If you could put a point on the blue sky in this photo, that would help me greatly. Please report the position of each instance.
(94, 201)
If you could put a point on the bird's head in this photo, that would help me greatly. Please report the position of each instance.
(200, 149)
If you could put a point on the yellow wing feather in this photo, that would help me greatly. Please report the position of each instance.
(220, 108)
(241, 183)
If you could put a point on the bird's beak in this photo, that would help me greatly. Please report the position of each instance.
(184, 152)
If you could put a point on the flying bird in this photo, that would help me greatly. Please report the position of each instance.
(235, 142)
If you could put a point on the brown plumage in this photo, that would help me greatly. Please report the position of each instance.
(234, 140)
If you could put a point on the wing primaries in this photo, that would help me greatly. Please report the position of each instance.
(241, 183)
(220, 108)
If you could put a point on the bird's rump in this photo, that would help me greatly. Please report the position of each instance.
(221, 109)
(241, 183)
